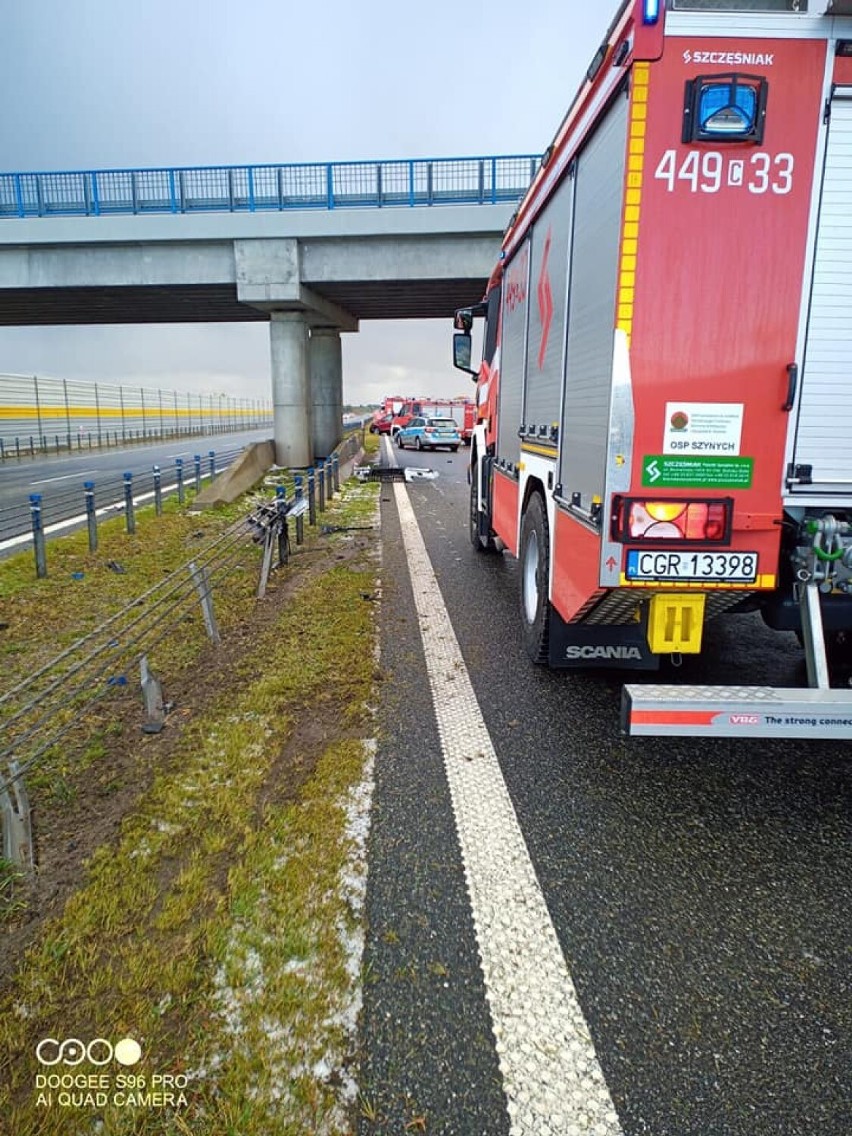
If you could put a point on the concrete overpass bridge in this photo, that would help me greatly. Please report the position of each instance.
(312, 249)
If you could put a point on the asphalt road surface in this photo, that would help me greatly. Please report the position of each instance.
(642, 936)
(20, 477)
(59, 478)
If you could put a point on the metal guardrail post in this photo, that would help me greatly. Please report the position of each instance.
(312, 501)
(266, 564)
(158, 492)
(129, 514)
(329, 478)
(212, 456)
(201, 582)
(335, 466)
(300, 520)
(17, 846)
(321, 484)
(179, 476)
(38, 535)
(91, 515)
(197, 460)
(283, 534)
(152, 695)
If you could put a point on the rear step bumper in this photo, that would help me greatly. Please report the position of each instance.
(736, 711)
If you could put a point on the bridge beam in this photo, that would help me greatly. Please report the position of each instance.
(326, 377)
(269, 277)
(288, 340)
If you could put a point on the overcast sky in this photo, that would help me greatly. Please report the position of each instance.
(94, 84)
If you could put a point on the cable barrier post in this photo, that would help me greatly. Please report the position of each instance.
(158, 492)
(300, 520)
(201, 582)
(197, 460)
(38, 536)
(321, 483)
(130, 516)
(179, 476)
(283, 535)
(312, 501)
(91, 516)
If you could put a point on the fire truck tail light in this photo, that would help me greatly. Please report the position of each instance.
(660, 520)
(650, 11)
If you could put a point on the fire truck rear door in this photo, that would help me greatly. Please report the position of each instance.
(824, 428)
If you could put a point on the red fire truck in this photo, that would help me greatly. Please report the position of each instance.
(461, 410)
(665, 396)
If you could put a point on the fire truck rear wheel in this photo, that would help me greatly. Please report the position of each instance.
(535, 571)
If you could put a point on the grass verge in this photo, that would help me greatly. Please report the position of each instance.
(219, 927)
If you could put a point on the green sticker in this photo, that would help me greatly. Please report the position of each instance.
(669, 471)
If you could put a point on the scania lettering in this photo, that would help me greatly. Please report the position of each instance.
(663, 413)
(621, 653)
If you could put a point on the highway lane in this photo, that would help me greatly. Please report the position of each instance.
(48, 473)
(700, 890)
(59, 479)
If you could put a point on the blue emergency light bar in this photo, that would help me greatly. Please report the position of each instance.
(651, 11)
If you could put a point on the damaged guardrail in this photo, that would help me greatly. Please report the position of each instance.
(394, 473)
(43, 711)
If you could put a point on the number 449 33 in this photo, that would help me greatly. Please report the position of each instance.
(709, 170)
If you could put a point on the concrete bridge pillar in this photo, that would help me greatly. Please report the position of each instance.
(288, 338)
(326, 373)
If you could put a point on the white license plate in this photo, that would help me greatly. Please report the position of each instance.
(732, 567)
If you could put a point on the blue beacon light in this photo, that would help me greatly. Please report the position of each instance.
(651, 11)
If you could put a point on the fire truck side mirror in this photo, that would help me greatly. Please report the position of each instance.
(463, 320)
(462, 349)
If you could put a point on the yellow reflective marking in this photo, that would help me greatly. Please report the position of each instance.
(633, 196)
(542, 451)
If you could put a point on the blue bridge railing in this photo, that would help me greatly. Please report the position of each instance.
(251, 189)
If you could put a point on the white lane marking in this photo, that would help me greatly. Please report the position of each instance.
(65, 477)
(552, 1079)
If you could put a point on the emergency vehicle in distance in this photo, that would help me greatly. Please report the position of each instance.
(397, 413)
(664, 401)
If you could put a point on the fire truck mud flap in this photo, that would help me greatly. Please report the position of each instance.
(736, 711)
(621, 646)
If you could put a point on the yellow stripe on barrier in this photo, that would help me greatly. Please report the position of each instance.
(54, 412)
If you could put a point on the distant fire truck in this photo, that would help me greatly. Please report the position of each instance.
(665, 397)
(461, 410)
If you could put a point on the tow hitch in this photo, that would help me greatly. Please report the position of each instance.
(822, 563)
